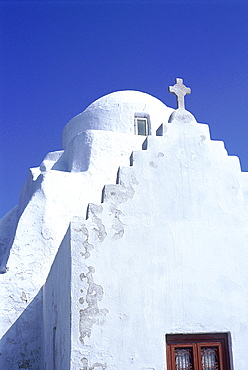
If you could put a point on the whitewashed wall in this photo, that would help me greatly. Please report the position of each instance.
(56, 312)
(166, 251)
(55, 192)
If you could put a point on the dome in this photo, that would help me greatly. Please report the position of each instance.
(116, 112)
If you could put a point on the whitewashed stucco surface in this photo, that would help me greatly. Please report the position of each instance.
(166, 251)
(168, 255)
(55, 192)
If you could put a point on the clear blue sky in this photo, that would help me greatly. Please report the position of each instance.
(59, 56)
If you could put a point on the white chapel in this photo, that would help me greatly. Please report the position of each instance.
(128, 249)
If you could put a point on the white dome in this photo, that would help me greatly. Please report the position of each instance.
(116, 112)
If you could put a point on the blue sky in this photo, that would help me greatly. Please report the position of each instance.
(59, 56)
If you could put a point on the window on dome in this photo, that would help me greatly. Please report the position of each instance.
(197, 351)
(141, 125)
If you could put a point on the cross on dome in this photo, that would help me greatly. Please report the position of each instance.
(180, 90)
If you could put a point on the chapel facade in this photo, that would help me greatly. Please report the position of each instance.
(128, 249)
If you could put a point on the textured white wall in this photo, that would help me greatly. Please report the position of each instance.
(115, 112)
(168, 254)
(57, 311)
(52, 195)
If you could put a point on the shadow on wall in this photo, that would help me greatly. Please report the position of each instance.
(9, 223)
(21, 345)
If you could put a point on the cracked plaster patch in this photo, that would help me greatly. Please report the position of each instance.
(91, 314)
(96, 365)
(24, 297)
(46, 233)
(94, 211)
(152, 164)
(118, 193)
(117, 225)
(84, 240)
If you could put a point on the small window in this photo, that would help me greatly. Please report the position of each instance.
(197, 352)
(141, 126)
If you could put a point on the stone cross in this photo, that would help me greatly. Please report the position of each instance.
(180, 90)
